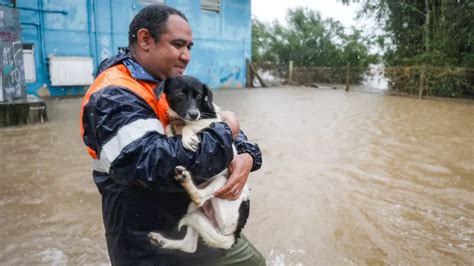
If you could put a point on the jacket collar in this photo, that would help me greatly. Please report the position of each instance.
(137, 71)
(124, 57)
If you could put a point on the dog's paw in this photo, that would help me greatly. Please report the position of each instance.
(191, 142)
(156, 239)
(181, 174)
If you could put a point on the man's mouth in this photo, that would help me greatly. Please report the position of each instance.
(181, 69)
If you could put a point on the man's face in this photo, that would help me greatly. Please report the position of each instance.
(169, 56)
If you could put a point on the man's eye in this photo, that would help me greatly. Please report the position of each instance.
(175, 44)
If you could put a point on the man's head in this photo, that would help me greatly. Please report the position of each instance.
(160, 39)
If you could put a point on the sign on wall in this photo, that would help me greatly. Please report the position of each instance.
(11, 56)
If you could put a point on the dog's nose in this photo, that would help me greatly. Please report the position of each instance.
(193, 114)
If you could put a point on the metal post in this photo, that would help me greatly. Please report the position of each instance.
(422, 83)
(248, 76)
(290, 72)
(348, 77)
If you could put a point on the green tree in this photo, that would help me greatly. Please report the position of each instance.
(309, 41)
(435, 33)
(260, 41)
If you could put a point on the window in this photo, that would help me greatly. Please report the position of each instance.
(151, 2)
(29, 62)
(211, 5)
(71, 70)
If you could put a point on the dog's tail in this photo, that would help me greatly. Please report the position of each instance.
(209, 233)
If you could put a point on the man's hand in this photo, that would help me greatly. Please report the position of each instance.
(239, 172)
(230, 119)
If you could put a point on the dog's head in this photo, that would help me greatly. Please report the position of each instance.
(189, 98)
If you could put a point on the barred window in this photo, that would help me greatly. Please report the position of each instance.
(211, 5)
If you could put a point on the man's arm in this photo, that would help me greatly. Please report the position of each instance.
(243, 145)
(249, 159)
(241, 142)
(129, 139)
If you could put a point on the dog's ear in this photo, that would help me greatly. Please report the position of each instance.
(207, 102)
(207, 94)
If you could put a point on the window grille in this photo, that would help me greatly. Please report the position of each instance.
(151, 2)
(211, 5)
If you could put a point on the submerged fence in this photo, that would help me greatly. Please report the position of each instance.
(415, 80)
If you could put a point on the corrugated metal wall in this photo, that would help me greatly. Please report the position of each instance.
(98, 28)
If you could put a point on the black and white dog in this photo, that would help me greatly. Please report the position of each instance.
(217, 221)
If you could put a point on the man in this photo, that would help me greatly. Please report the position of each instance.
(123, 117)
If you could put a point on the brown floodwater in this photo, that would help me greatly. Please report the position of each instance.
(348, 178)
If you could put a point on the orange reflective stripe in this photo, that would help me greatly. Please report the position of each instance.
(120, 76)
(91, 152)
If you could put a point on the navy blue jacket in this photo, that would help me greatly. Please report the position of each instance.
(135, 166)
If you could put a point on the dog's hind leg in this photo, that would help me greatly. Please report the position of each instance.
(229, 212)
(207, 231)
(198, 196)
(208, 192)
(187, 244)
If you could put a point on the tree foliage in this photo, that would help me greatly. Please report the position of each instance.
(434, 32)
(309, 41)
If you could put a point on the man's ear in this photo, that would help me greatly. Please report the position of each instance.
(144, 39)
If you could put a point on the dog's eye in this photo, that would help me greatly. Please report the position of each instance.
(179, 95)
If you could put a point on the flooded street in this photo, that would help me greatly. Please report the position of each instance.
(347, 178)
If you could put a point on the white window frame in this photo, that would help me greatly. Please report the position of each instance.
(71, 70)
(211, 5)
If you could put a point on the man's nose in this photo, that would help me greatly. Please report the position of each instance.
(185, 55)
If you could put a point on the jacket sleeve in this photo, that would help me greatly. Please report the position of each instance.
(242, 145)
(132, 148)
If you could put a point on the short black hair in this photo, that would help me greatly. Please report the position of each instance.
(152, 18)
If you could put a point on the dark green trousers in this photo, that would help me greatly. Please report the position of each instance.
(243, 253)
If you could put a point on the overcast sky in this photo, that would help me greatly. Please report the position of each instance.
(269, 10)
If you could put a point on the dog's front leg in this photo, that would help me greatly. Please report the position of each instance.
(190, 139)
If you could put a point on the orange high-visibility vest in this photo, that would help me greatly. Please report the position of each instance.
(119, 75)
